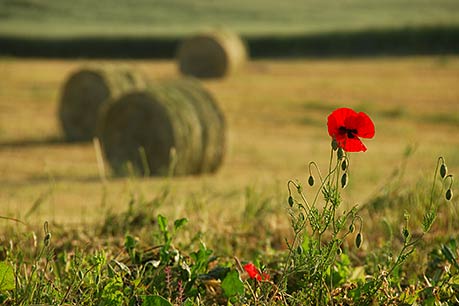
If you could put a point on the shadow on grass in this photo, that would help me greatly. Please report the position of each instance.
(37, 142)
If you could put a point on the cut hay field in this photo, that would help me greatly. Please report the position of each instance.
(276, 113)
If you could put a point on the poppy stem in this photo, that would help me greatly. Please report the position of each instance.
(300, 192)
(330, 164)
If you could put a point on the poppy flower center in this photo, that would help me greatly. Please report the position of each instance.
(351, 133)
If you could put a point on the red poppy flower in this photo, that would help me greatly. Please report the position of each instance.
(254, 273)
(346, 126)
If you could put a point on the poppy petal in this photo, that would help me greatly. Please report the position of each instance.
(352, 145)
(333, 126)
(365, 127)
(338, 118)
(252, 271)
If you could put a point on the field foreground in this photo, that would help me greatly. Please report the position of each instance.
(276, 113)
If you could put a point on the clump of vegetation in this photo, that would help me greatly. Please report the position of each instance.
(139, 257)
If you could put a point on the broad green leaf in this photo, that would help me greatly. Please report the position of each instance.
(155, 300)
(6, 276)
(180, 222)
(232, 285)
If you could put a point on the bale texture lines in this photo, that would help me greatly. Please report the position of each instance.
(211, 55)
(86, 91)
(170, 128)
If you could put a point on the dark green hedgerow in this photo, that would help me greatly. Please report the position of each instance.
(428, 40)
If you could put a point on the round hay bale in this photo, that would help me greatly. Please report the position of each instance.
(211, 55)
(83, 94)
(169, 128)
(213, 125)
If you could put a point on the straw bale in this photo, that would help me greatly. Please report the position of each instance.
(211, 119)
(85, 91)
(169, 116)
(211, 55)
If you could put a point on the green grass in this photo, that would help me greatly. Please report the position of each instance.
(139, 257)
(49, 18)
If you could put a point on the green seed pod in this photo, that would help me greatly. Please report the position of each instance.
(344, 165)
(344, 180)
(290, 201)
(358, 240)
(443, 170)
(351, 228)
(449, 194)
(340, 153)
(311, 180)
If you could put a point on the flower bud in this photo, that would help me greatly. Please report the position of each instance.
(449, 194)
(344, 165)
(290, 201)
(334, 144)
(358, 240)
(47, 239)
(311, 180)
(340, 153)
(443, 170)
(339, 250)
(344, 180)
(351, 228)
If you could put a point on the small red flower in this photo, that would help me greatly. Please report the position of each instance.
(346, 126)
(254, 273)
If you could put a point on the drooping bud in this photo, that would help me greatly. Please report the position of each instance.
(443, 170)
(358, 240)
(47, 239)
(351, 228)
(449, 194)
(344, 180)
(340, 153)
(311, 180)
(334, 144)
(344, 165)
(290, 201)
(339, 250)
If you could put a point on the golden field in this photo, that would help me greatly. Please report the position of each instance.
(276, 113)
